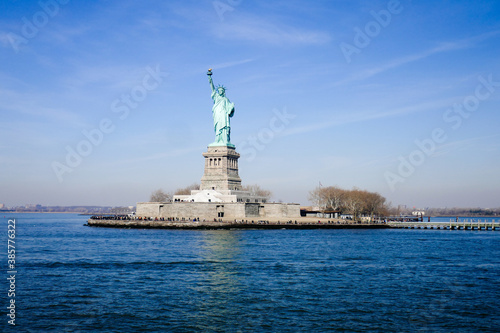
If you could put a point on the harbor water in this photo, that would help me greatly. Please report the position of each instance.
(74, 278)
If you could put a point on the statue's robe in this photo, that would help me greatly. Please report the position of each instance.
(222, 110)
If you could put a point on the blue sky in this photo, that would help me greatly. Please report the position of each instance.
(396, 97)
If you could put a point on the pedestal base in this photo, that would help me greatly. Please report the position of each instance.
(221, 169)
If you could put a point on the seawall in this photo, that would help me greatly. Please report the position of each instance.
(242, 224)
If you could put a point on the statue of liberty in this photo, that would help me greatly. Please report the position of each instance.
(222, 110)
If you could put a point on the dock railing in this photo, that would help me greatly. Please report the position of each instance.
(453, 224)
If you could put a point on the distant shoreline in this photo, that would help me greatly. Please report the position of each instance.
(465, 216)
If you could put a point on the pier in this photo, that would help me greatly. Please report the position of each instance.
(472, 224)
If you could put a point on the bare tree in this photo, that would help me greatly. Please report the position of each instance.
(315, 197)
(373, 203)
(330, 197)
(258, 191)
(160, 196)
(187, 190)
(334, 197)
(354, 202)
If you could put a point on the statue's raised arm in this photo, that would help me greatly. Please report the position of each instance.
(210, 79)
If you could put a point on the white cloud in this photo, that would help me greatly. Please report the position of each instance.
(263, 31)
(362, 117)
(466, 144)
(30, 104)
(232, 63)
(442, 47)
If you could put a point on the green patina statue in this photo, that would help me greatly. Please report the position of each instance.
(222, 110)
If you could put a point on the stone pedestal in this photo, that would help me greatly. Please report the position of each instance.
(221, 169)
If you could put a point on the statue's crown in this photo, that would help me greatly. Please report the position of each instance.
(221, 86)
